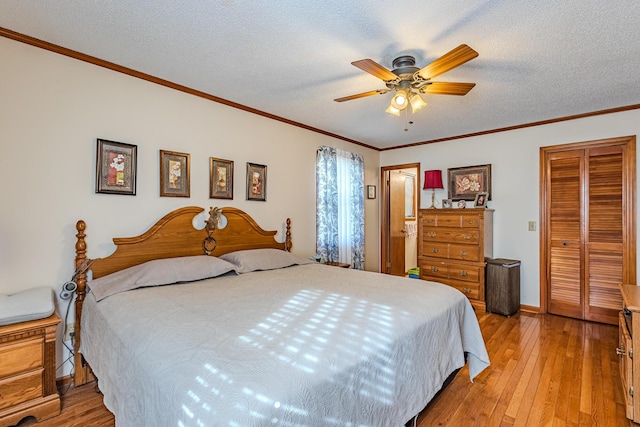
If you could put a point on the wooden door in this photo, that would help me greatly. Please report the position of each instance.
(397, 232)
(587, 227)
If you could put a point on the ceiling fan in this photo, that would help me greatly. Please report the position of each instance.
(409, 81)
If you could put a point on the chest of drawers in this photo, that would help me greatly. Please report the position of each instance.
(452, 247)
(28, 371)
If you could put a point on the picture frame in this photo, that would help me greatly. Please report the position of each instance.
(116, 167)
(220, 178)
(462, 204)
(481, 200)
(466, 182)
(174, 174)
(446, 204)
(409, 196)
(371, 191)
(256, 182)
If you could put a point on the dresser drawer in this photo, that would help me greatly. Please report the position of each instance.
(469, 221)
(20, 388)
(471, 290)
(465, 273)
(21, 356)
(454, 235)
(435, 249)
(433, 270)
(464, 252)
(449, 221)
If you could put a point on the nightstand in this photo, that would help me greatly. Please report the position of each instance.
(28, 371)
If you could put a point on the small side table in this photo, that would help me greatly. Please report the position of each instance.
(337, 264)
(28, 370)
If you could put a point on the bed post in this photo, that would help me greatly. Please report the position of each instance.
(81, 374)
(288, 244)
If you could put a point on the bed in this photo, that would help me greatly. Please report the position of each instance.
(260, 337)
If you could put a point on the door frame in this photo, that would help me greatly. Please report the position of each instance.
(628, 207)
(385, 206)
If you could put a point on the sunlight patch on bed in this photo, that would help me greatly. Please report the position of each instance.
(302, 333)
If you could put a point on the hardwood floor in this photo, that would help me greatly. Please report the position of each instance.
(545, 371)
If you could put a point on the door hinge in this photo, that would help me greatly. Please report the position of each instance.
(631, 391)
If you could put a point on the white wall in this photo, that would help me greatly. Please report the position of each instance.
(53, 109)
(515, 167)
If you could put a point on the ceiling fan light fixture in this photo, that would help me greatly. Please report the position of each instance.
(399, 100)
(417, 103)
(392, 110)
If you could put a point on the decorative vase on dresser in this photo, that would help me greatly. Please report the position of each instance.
(452, 247)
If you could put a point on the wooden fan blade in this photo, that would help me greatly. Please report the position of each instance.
(448, 61)
(361, 95)
(448, 88)
(375, 69)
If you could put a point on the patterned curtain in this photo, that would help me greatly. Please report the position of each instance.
(340, 206)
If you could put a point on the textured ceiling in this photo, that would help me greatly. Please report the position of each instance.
(538, 60)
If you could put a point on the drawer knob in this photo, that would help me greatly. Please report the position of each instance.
(463, 273)
(466, 290)
(466, 236)
(431, 234)
(464, 253)
(434, 250)
(435, 269)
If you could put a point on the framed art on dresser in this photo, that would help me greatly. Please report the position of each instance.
(116, 164)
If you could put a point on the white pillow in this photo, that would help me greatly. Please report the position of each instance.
(32, 304)
(160, 272)
(262, 259)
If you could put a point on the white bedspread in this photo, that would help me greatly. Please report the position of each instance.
(308, 345)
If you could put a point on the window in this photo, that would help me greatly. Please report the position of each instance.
(340, 206)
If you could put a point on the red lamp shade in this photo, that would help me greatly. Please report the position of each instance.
(432, 179)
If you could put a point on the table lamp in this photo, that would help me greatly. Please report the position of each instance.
(432, 180)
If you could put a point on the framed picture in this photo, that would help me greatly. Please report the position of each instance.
(462, 203)
(446, 203)
(174, 174)
(481, 200)
(409, 196)
(466, 182)
(371, 191)
(116, 165)
(220, 178)
(256, 182)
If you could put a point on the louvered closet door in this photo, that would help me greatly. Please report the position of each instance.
(565, 234)
(604, 236)
(588, 227)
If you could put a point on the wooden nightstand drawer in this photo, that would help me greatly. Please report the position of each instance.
(21, 356)
(21, 388)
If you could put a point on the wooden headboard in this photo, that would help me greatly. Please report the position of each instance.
(172, 236)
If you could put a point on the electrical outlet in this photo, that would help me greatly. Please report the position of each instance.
(532, 226)
(69, 331)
